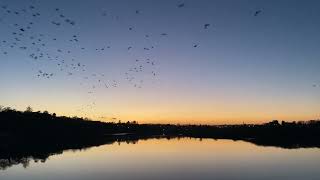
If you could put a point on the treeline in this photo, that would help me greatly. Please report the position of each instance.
(32, 135)
(43, 126)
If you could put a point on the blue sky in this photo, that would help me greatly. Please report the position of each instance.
(245, 68)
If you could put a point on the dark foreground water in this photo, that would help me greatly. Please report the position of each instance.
(183, 158)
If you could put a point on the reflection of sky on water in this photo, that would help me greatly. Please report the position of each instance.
(175, 159)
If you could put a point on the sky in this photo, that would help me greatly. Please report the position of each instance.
(155, 62)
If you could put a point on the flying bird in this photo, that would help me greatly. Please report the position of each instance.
(257, 13)
(181, 5)
(206, 26)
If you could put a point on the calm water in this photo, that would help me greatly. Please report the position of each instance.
(174, 159)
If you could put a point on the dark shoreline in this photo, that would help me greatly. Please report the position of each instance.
(29, 136)
(23, 151)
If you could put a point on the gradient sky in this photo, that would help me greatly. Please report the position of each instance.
(246, 68)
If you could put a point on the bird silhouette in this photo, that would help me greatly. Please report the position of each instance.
(181, 5)
(256, 13)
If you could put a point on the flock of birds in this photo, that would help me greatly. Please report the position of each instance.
(43, 48)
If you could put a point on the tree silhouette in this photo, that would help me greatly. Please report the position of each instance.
(28, 109)
(23, 127)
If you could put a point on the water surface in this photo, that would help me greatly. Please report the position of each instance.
(182, 158)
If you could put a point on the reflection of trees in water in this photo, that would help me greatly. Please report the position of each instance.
(35, 136)
(24, 161)
(26, 154)
(22, 154)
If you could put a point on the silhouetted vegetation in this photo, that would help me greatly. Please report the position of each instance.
(37, 135)
(19, 125)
